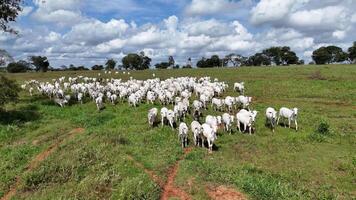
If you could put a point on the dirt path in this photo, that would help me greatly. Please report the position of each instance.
(169, 189)
(37, 160)
(224, 193)
(153, 176)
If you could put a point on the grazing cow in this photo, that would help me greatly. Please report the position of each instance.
(290, 114)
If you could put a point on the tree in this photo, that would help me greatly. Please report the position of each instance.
(9, 90)
(213, 61)
(258, 59)
(171, 61)
(352, 53)
(97, 67)
(146, 61)
(9, 10)
(281, 55)
(40, 63)
(162, 65)
(135, 61)
(110, 64)
(16, 67)
(131, 61)
(321, 56)
(329, 54)
(301, 62)
(235, 59)
(201, 63)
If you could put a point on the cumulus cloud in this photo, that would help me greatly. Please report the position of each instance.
(25, 11)
(209, 7)
(67, 31)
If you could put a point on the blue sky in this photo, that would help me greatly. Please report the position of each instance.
(87, 32)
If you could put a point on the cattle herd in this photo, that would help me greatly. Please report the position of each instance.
(179, 97)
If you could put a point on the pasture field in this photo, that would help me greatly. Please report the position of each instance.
(116, 153)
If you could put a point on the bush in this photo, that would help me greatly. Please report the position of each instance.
(323, 128)
(321, 133)
(9, 90)
(16, 67)
(97, 67)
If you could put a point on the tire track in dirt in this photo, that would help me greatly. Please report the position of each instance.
(168, 188)
(37, 160)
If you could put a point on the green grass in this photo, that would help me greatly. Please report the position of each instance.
(95, 164)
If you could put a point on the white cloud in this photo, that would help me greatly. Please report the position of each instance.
(67, 31)
(96, 32)
(326, 18)
(206, 7)
(271, 10)
(25, 11)
(62, 17)
(339, 34)
(53, 37)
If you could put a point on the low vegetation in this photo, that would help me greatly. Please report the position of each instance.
(95, 164)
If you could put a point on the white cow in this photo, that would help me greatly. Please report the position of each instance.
(228, 120)
(239, 87)
(271, 117)
(164, 114)
(247, 118)
(197, 131)
(183, 134)
(210, 135)
(152, 116)
(290, 114)
(171, 118)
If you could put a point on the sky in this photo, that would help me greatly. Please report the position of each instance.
(88, 32)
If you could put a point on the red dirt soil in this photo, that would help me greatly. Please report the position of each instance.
(169, 189)
(37, 160)
(224, 193)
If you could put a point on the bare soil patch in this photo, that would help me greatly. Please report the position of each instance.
(224, 193)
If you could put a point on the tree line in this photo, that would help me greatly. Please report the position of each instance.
(139, 61)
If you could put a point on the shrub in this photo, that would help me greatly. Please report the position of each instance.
(321, 133)
(323, 128)
(9, 90)
(16, 67)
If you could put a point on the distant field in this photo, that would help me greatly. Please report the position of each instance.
(117, 153)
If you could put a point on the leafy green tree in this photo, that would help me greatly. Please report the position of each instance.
(321, 56)
(235, 59)
(9, 10)
(162, 65)
(171, 61)
(281, 55)
(9, 90)
(258, 59)
(352, 53)
(329, 54)
(146, 61)
(131, 61)
(40, 63)
(97, 67)
(136, 61)
(110, 64)
(213, 61)
(337, 54)
(16, 67)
